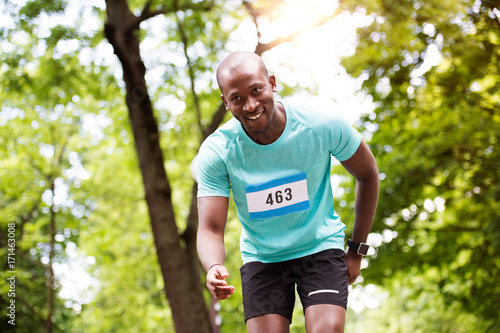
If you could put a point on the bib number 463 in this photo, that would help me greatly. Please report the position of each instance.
(279, 196)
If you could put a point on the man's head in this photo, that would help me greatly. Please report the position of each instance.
(248, 92)
(236, 60)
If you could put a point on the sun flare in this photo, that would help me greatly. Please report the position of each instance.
(298, 15)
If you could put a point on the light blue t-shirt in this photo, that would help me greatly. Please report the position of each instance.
(282, 190)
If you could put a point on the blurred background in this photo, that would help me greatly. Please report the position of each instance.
(101, 100)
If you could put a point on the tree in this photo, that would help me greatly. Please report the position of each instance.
(432, 69)
(180, 279)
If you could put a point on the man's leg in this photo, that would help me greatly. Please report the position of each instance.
(268, 323)
(268, 299)
(325, 318)
(323, 290)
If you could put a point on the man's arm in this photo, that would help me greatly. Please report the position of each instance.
(212, 213)
(363, 167)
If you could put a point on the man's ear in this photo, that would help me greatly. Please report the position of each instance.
(272, 82)
(224, 100)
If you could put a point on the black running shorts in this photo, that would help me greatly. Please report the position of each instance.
(320, 278)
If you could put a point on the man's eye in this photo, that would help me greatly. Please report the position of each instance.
(257, 90)
(236, 99)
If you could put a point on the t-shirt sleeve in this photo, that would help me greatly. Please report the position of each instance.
(345, 139)
(212, 174)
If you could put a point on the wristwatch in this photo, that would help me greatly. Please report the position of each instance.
(360, 248)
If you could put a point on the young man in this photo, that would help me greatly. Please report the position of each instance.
(276, 159)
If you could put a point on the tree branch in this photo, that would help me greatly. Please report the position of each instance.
(147, 13)
(263, 47)
(202, 6)
(36, 313)
(31, 260)
(255, 13)
(184, 40)
(50, 268)
(216, 121)
(28, 216)
(269, 10)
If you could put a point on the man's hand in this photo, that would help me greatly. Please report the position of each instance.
(216, 282)
(353, 261)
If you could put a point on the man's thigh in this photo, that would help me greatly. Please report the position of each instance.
(265, 292)
(323, 279)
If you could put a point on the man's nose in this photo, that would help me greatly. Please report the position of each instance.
(250, 105)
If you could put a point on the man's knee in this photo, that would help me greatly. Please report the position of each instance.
(326, 325)
(325, 318)
(268, 323)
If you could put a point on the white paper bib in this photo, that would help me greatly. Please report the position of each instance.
(278, 197)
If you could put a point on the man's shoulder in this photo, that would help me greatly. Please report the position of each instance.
(313, 112)
(225, 133)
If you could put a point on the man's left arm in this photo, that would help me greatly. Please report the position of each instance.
(363, 167)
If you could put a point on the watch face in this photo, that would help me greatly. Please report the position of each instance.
(363, 249)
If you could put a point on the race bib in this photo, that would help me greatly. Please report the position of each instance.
(278, 197)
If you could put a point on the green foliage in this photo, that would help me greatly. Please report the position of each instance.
(434, 132)
(415, 305)
(130, 295)
(38, 148)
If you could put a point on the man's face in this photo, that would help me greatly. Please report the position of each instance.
(249, 94)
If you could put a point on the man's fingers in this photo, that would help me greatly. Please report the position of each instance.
(216, 283)
(223, 292)
(222, 288)
(352, 275)
(353, 261)
(219, 283)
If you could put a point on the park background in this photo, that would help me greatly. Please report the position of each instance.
(104, 105)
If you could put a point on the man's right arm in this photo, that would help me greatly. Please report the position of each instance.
(212, 213)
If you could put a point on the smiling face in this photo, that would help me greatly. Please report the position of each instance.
(248, 92)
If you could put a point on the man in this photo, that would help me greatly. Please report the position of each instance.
(276, 159)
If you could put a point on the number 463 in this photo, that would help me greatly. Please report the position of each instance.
(279, 196)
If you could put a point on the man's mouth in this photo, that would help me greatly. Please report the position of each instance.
(257, 116)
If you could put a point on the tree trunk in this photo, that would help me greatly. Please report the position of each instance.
(182, 287)
(50, 268)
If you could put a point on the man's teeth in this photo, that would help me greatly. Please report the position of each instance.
(257, 116)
